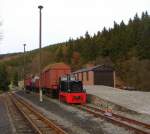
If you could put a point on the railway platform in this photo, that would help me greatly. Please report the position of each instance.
(133, 102)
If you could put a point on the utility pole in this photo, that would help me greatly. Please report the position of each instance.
(40, 44)
(24, 45)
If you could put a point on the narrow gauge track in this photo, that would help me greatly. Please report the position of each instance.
(131, 124)
(38, 121)
(18, 121)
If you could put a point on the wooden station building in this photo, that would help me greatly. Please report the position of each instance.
(97, 75)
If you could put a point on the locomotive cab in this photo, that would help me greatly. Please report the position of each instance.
(71, 90)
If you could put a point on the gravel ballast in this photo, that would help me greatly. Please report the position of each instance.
(5, 126)
(72, 119)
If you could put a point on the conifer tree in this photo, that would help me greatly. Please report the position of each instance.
(15, 78)
(4, 82)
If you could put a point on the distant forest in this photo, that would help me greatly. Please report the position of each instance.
(126, 47)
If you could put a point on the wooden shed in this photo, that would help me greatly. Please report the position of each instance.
(97, 75)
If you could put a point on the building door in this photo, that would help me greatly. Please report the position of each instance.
(104, 78)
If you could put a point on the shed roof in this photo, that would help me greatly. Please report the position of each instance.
(95, 68)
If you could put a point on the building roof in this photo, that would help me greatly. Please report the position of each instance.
(95, 68)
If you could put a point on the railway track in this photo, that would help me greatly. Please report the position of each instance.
(18, 121)
(37, 121)
(131, 124)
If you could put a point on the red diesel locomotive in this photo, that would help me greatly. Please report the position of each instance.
(56, 81)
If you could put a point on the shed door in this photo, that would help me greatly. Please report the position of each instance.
(103, 78)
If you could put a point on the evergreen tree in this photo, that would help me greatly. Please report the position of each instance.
(15, 78)
(4, 82)
(59, 54)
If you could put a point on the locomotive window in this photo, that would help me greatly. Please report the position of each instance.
(64, 86)
(77, 76)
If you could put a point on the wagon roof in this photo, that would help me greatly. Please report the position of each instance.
(95, 68)
(56, 66)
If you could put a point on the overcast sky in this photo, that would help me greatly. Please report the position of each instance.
(62, 19)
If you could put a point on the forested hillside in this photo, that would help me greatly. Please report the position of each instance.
(125, 46)
(4, 81)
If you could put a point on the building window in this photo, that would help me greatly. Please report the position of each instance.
(77, 76)
(82, 76)
(87, 76)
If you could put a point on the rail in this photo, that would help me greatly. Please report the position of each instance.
(131, 124)
(38, 121)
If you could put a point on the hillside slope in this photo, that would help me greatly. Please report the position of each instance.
(125, 47)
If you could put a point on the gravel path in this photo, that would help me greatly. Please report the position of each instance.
(72, 119)
(5, 127)
(134, 100)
